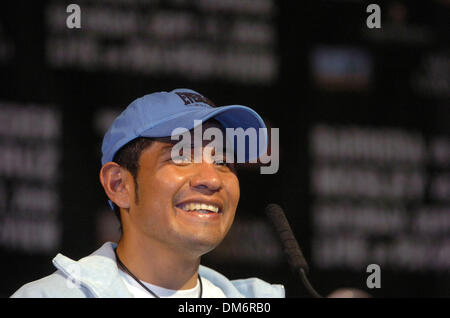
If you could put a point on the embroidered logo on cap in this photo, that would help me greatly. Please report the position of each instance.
(190, 98)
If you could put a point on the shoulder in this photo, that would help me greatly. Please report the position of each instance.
(56, 285)
(258, 288)
(249, 287)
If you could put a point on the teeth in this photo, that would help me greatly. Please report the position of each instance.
(199, 207)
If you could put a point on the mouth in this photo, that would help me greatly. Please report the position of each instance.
(200, 207)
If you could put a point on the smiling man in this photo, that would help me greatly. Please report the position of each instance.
(173, 209)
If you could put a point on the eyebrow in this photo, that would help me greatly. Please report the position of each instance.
(166, 148)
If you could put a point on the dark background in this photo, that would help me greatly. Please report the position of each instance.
(294, 101)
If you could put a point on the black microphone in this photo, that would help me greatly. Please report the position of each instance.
(290, 246)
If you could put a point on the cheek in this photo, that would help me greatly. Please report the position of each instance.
(231, 185)
(157, 194)
(165, 185)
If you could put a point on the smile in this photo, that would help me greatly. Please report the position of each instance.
(199, 207)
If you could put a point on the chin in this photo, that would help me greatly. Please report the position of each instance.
(201, 245)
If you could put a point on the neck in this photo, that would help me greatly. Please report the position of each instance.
(155, 263)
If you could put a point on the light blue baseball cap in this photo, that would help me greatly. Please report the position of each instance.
(158, 114)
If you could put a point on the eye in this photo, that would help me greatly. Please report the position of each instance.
(181, 160)
(220, 163)
(223, 165)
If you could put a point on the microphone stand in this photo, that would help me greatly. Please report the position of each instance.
(291, 248)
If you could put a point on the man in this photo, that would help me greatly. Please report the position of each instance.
(173, 209)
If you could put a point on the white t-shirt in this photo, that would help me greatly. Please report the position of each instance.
(209, 289)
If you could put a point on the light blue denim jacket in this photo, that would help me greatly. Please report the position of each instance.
(97, 275)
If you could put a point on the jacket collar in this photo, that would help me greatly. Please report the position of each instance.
(99, 273)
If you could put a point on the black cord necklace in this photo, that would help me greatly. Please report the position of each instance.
(145, 287)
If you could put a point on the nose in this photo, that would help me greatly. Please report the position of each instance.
(206, 179)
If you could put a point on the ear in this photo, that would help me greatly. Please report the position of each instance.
(118, 184)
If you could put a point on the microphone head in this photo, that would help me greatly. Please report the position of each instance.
(281, 225)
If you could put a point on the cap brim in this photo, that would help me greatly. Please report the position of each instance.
(232, 116)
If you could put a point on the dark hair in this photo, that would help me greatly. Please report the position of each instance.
(128, 158)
